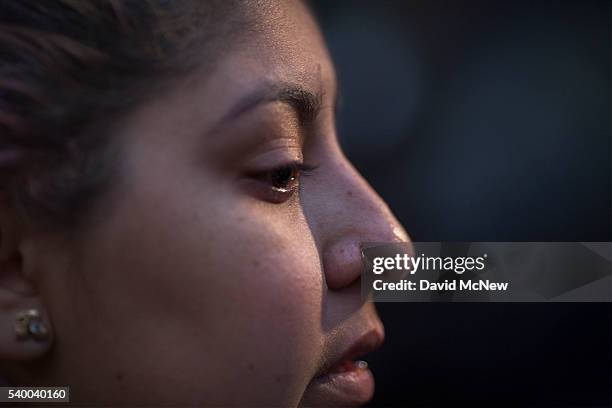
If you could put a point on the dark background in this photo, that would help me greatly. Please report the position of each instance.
(483, 121)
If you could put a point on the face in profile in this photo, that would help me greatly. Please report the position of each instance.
(222, 266)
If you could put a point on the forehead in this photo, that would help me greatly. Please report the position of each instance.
(281, 42)
(284, 31)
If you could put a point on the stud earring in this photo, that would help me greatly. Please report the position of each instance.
(29, 324)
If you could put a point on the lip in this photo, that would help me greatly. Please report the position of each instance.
(341, 381)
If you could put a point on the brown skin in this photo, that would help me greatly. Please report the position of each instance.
(197, 284)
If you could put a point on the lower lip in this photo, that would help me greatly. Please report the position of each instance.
(352, 385)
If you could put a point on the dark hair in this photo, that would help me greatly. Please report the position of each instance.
(68, 70)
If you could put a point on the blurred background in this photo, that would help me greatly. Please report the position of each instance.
(483, 121)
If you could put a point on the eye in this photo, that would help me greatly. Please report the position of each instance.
(279, 184)
(284, 178)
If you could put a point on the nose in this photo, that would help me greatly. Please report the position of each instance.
(354, 214)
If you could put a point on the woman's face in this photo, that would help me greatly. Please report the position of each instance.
(215, 273)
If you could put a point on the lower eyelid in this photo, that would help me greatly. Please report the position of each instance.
(265, 192)
(258, 185)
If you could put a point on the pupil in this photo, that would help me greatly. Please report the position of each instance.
(282, 177)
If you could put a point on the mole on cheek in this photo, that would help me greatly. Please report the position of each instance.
(349, 193)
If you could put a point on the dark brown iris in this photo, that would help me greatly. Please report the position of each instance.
(283, 178)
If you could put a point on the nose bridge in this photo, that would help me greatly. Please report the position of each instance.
(359, 215)
(372, 217)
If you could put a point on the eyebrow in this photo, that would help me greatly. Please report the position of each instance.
(305, 103)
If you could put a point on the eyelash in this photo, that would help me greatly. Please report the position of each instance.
(292, 171)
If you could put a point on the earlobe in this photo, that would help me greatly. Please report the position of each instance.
(25, 334)
(25, 329)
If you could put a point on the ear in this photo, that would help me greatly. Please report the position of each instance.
(25, 329)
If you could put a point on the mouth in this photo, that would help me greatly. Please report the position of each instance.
(345, 379)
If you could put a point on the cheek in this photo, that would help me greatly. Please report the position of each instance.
(266, 280)
(269, 300)
(224, 296)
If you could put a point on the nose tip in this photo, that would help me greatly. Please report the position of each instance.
(399, 234)
(343, 258)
